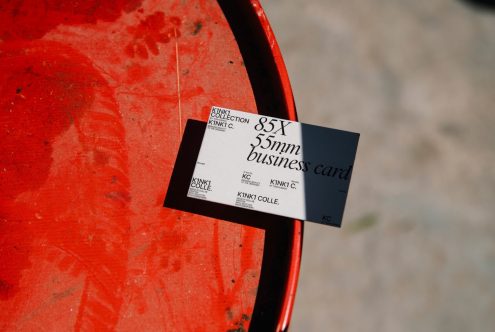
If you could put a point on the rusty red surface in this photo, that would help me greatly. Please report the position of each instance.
(94, 96)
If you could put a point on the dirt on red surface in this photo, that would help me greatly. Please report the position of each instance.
(93, 100)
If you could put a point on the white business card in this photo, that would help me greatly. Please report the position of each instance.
(275, 166)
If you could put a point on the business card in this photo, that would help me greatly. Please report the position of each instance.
(274, 165)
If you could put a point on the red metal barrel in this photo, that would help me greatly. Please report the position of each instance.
(94, 101)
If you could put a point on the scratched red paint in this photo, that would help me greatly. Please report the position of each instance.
(89, 129)
(48, 88)
(32, 19)
(150, 32)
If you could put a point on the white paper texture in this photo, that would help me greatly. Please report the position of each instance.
(275, 166)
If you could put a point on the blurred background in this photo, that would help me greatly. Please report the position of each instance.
(416, 251)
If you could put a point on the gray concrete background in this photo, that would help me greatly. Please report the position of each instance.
(417, 79)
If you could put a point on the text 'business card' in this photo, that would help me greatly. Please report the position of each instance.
(275, 166)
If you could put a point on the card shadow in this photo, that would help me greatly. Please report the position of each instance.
(341, 147)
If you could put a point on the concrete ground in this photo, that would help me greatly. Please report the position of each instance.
(417, 79)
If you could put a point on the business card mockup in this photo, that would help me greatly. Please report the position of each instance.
(276, 166)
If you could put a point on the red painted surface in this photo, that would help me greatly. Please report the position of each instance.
(94, 96)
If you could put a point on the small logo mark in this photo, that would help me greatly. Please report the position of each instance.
(202, 184)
